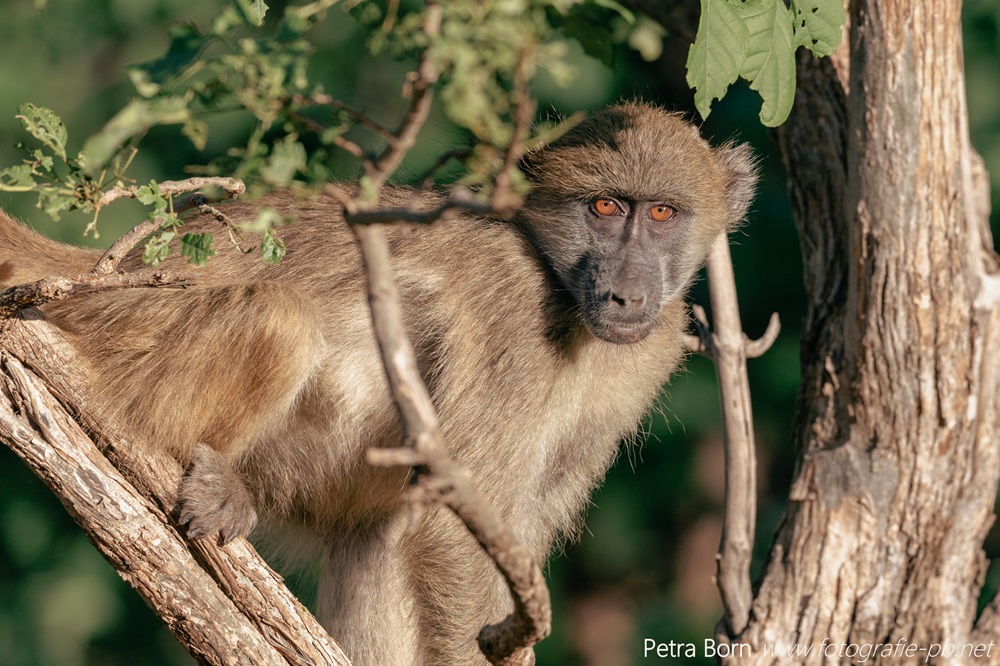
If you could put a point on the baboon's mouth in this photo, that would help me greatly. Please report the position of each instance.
(621, 333)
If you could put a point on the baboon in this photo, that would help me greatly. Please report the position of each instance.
(543, 340)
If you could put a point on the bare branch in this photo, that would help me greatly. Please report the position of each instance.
(695, 345)
(107, 506)
(741, 463)
(438, 477)
(421, 87)
(506, 642)
(504, 199)
(757, 348)
(338, 140)
(701, 343)
(366, 121)
(234, 187)
(458, 154)
(398, 457)
(58, 288)
(458, 199)
(729, 346)
(108, 263)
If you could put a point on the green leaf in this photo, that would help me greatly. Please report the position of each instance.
(770, 57)
(197, 248)
(43, 161)
(621, 10)
(267, 217)
(167, 221)
(366, 190)
(149, 194)
(288, 156)
(45, 126)
(588, 24)
(272, 248)
(158, 248)
(186, 44)
(646, 37)
(137, 117)
(717, 54)
(253, 11)
(197, 132)
(226, 20)
(54, 199)
(818, 25)
(17, 179)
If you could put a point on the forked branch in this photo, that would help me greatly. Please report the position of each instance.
(108, 263)
(436, 475)
(729, 347)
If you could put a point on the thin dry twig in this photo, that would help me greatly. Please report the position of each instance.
(504, 199)
(455, 154)
(729, 347)
(108, 263)
(757, 348)
(701, 342)
(338, 140)
(366, 121)
(234, 187)
(458, 199)
(442, 478)
(508, 642)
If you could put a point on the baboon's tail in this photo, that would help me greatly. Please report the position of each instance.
(26, 256)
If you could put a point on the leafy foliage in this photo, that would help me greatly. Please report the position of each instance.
(250, 62)
(62, 184)
(485, 52)
(756, 40)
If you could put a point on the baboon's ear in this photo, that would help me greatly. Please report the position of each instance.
(740, 167)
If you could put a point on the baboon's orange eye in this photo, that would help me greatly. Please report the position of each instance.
(606, 207)
(662, 213)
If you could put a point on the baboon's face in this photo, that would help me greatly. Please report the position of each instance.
(625, 208)
(629, 269)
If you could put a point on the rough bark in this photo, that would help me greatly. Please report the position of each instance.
(881, 544)
(223, 603)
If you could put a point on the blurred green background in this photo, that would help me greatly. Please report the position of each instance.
(643, 567)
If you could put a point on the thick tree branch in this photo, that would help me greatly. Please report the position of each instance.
(57, 288)
(252, 620)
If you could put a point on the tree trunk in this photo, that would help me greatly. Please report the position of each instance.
(880, 549)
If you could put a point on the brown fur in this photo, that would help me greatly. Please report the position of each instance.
(276, 370)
